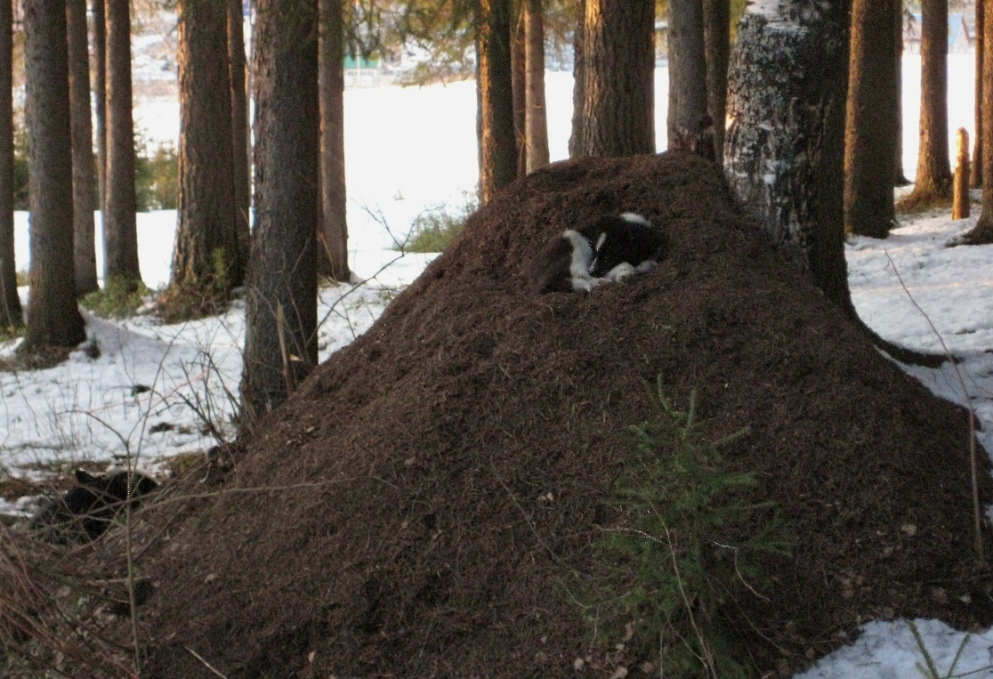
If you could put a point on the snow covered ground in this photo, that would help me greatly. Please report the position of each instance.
(149, 392)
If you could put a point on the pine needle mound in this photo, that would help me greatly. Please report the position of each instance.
(425, 504)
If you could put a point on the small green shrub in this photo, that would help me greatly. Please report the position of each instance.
(156, 176)
(120, 298)
(433, 230)
(690, 537)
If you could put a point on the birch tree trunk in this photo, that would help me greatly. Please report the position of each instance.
(784, 152)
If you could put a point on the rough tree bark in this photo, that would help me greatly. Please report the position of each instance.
(119, 222)
(497, 143)
(206, 256)
(11, 315)
(899, 178)
(689, 125)
(281, 300)
(518, 82)
(332, 243)
(976, 168)
(784, 153)
(240, 133)
(618, 113)
(53, 318)
(933, 181)
(83, 169)
(870, 135)
(717, 35)
(982, 233)
(578, 80)
(100, 102)
(537, 119)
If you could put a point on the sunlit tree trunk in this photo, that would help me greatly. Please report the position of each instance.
(332, 255)
(871, 127)
(618, 113)
(497, 143)
(83, 169)
(240, 134)
(982, 233)
(206, 256)
(689, 124)
(281, 299)
(933, 180)
(717, 34)
(120, 225)
(537, 119)
(784, 153)
(10, 303)
(53, 318)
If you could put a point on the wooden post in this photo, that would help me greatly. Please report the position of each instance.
(960, 196)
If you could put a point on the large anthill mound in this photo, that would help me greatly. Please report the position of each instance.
(431, 492)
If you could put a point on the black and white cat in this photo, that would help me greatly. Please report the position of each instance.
(610, 249)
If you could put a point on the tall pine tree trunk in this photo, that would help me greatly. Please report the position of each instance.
(10, 303)
(518, 80)
(53, 318)
(976, 169)
(870, 143)
(618, 112)
(717, 35)
(689, 124)
(83, 169)
(100, 103)
(579, 80)
(982, 233)
(933, 181)
(240, 135)
(899, 178)
(205, 259)
(332, 255)
(281, 302)
(120, 225)
(784, 153)
(537, 119)
(498, 142)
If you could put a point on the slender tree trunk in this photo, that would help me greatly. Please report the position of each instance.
(205, 259)
(537, 120)
(281, 303)
(960, 179)
(240, 135)
(498, 143)
(933, 181)
(53, 318)
(784, 153)
(982, 233)
(332, 245)
(83, 169)
(899, 178)
(518, 78)
(871, 127)
(618, 117)
(976, 173)
(579, 80)
(690, 126)
(717, 36)
(100, 103)
(120, 225)
(10, 303)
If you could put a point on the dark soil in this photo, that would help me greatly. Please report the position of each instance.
(426, 502)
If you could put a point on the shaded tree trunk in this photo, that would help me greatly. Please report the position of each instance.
(498, 142)
(120, 226)
(83, 168)
(518, 79)
(100, 102)
(332, 255)
(11, 315)
(784, 154)
(689, 124)
(899, 178)
(281, 302)
(976, 168)
(933, 181)
(240, 134)
(717, 36)
(982, 233)
(579, 80)
(870, 137)
(618, 116)
(205, 259)
(53, 318)
(537, 119)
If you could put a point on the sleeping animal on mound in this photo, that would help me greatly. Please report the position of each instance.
(85, 512)
(610, 249)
